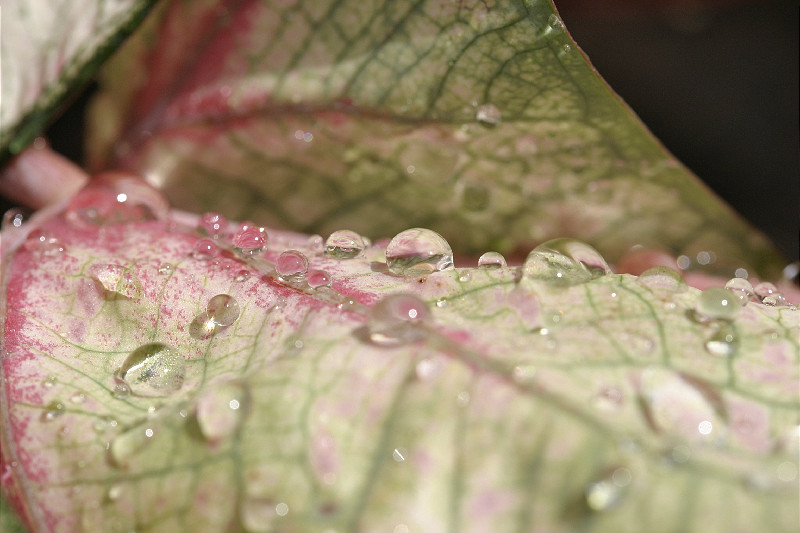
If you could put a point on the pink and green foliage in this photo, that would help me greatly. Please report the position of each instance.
(170, 372)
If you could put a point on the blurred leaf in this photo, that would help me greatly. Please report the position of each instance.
(482, 120)
(49, 48)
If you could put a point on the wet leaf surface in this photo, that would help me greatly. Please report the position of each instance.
(500, 398)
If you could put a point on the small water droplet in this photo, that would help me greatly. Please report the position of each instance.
(14, 219)
(316, 244)
(318, 278)
(441, 303)
(465, 276)
(768, 294)
(114, 492)
(50, 382)
(722, 343)
(344, 244)
(555, 22)
(399, 455)
(117, 280)
(492, 260)
(717, 303)
(397, 319)
(662, 280)
(418, 251)
(204, 250)
(165, 268)
(564, 262)
(742, 289)
(250, 239)
(220, 410)
(53, 410)
(488, 115)
(212, 224)
(153, 369)
(607, 492)
(242, 275)
(291, 264)
(126, 445)
(44, 245)
(223, 309)
(78, 397)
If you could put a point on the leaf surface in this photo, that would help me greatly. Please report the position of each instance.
(481, 120)
(48, 48)
(523, 403)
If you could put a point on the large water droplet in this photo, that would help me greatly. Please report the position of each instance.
(717, 303)
(344, 244)
(492, 260)
(742, 289)
(398, 319)
(153, 370)
(418, 251)
(212, 224)
(488, 115)
(564, 262)
(250, 240)
(220, 411)
(223, 309)
(318, 278)
(291, 264)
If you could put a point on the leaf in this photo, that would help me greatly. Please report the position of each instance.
(481, 120)
(503, 399)
(48, 49)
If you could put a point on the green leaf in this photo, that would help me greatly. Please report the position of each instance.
(50, 48)
(481, 120)
(505, 399)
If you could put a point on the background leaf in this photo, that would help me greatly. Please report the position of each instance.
(386, 119)
(48, 48)
(520, 406)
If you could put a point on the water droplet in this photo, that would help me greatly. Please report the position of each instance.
(662, 280)
(418, 251)
(202, 327)
(250, 240)
(53, 410)
(608, 399)
(78, 397)
(722, 343)
(399, 455)
(717, 303)
(291, 264)
(126, 445)
(555, 22)
(492, 260)
(14, 219)
(564, 262)
(220, 411)
(318, 278)
(768, 294)
(259, 514)
(465, 276)
(488, 115)
(117, 280)
(742, 289)
(153, 370)
(474, 197)
(344, 244)
(316, 244)
(115, 198)
(114, 492)
(223, 309)
(165, 268)
(607, 492)
(212, 224)
(204, 249)
(397, 319)
(50, 382)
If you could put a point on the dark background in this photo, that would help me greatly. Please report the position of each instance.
(716, 82)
